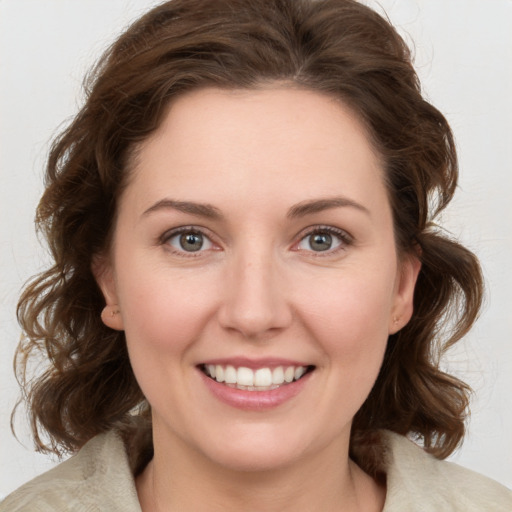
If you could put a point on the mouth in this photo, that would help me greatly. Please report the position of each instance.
(259, 379)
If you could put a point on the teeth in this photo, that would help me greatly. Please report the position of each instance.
(289, 374)
(278, 375)
(219, 373)
(255, 380)
(299, 372)
(263, 377)
(245, 376)
(230, 375)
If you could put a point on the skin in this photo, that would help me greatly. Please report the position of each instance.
(257, 288)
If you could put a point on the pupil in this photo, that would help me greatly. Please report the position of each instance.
(191, 241)
(321, 242)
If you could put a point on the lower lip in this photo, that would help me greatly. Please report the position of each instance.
(255, 400)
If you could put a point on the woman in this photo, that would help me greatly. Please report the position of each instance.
(248, 286)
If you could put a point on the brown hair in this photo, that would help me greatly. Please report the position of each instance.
(336, 47)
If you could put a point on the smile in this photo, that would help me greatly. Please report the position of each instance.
(260, 379)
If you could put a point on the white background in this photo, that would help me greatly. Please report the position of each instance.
(464, 58)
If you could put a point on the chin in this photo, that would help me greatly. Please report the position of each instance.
(255, 459)
(258, 450)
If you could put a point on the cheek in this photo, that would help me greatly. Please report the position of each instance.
(350, 318)
(349, 323)
(163, 317)
(163, 312)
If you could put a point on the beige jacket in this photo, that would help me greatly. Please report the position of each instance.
(98, 479)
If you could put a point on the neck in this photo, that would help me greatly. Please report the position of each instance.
(180, 480)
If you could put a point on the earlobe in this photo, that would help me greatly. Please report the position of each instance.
(111, 317)
(103, 273)
(403, 306)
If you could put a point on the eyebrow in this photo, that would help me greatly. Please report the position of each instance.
(319, 205)
(199, 209)
(299, 210)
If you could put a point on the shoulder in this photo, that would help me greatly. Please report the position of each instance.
(417, 481)
(98, 478)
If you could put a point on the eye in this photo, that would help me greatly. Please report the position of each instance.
(188, 240)
(324, 239)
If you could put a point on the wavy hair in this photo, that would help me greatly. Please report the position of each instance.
(337, 47)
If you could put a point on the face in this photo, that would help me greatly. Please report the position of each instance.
(254, 267)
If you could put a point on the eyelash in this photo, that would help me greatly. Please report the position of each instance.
(344, 238)
(192, 230)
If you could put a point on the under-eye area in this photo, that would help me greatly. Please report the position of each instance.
(261, 379)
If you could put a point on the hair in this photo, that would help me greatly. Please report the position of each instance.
(340, 48)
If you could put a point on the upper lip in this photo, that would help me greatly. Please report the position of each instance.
(266, 362)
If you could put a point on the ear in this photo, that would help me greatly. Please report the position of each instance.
(103, 272)
(403, 308)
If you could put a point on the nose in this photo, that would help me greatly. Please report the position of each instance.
(255, 297)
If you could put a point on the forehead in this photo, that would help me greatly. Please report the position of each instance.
(258, 143)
